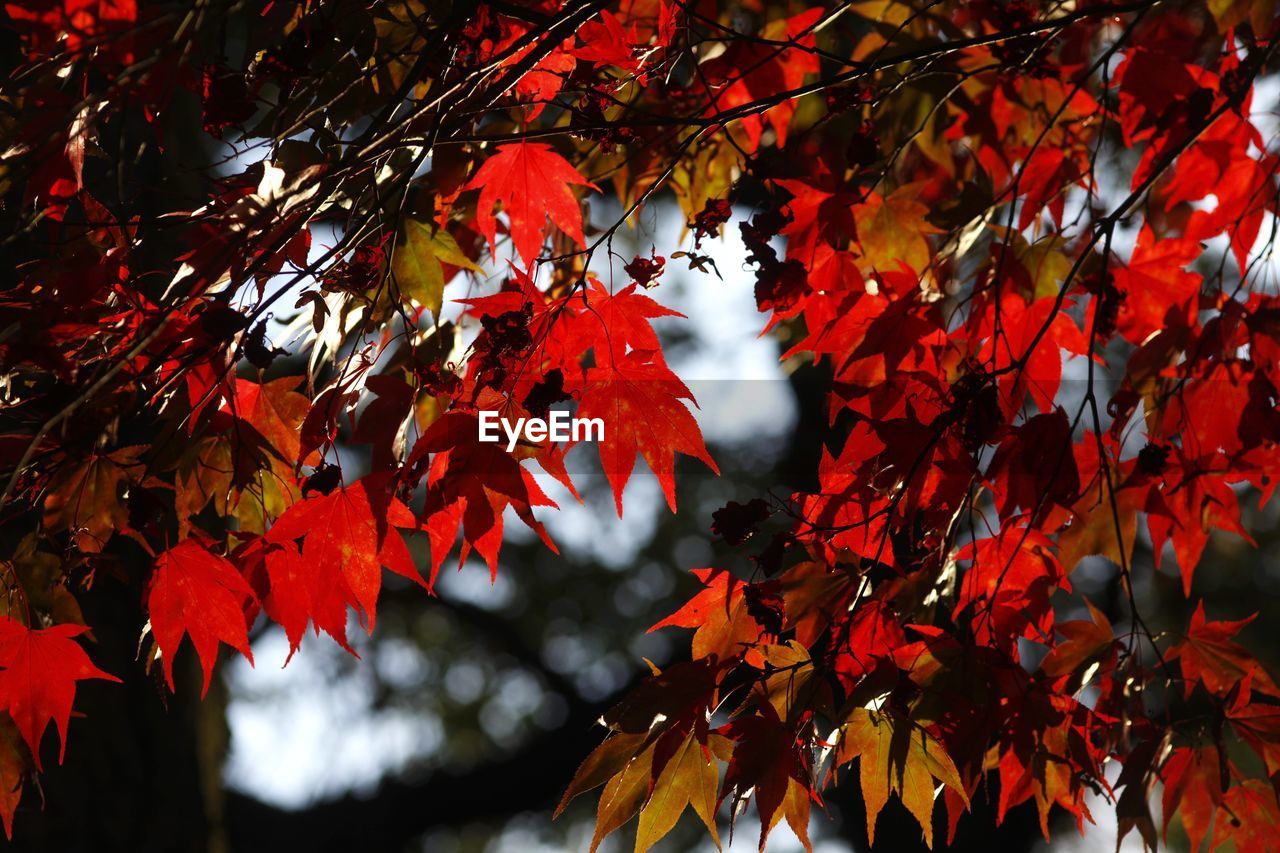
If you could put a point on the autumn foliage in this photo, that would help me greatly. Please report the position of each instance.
(1030, 243)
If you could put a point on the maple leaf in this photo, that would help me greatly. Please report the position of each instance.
(200, 594)
(793, 687)
(736, 523)
(1038, 359)
(605, 43)
(1041, 267)
(276, 410)
(1193, 788)
(1158, 290)
(1092, 530)
(1084, 642)
(767, 763)
(940, 376)
(550, 321)
(873, 635)
(282, 579)
(1043, 180)
(1135, 783)
(86, 498)
(71, 24)
(38, 679)
(604, 762)
(822, 215)
(532, 182)
(347, 537)
(893, 229)
(688, 779)
(42, 577)
(897, 756)
(1008, 586)
(813, 596)
(545, 79)
(381, 424)
(1255, 718)
(419, 263)
(639, 401)
(719, 612)
(1185, 514)
(1034, 465)
(470, 484)
(761, 70)
(623, 796)
(617, 322)
(676, 699)
(1208, 655)
(1230, 13)
(1249, 818)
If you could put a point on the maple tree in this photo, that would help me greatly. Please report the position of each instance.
(1030, 243)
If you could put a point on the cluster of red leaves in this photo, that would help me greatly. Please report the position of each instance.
(946, 250)
(903, 615)
(233, 501)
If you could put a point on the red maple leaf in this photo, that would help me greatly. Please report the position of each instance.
(873, 634)
(614, 323)
(1193, 788)
(346, 540)
(278, 572)
(532, 182)
(1008, 586)
(1209, 656)
(200, 594)
(470, 484)
(639, 401)
(759, 70)
(766, 760)
(720, 613)
(1184, 514)
(1159, 291)
(38, 682)
(605, 42)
